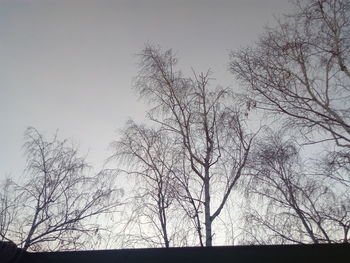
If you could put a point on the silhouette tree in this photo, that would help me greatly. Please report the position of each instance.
(299, 71)
(292, 205)
(148, 154)
(56, 205)
(207, 131)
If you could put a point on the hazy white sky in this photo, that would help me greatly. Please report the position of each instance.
(69, 64)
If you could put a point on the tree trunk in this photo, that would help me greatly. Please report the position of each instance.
(208, 221)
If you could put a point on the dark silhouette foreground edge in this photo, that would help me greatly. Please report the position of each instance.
(241, 254)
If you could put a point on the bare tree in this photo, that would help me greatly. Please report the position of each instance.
(148, 154)
(9, 209)
(206, 129)
(293, 206)
(300, 71)
(57, 205)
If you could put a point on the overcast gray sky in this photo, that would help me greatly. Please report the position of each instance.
(69, 64)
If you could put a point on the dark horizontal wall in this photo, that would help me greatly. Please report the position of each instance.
(240, 254)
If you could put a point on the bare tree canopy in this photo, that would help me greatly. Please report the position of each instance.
(298, 72)
(301, 69)
(292, 206)
(148, 154)
(56, 205)
(209, 141)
